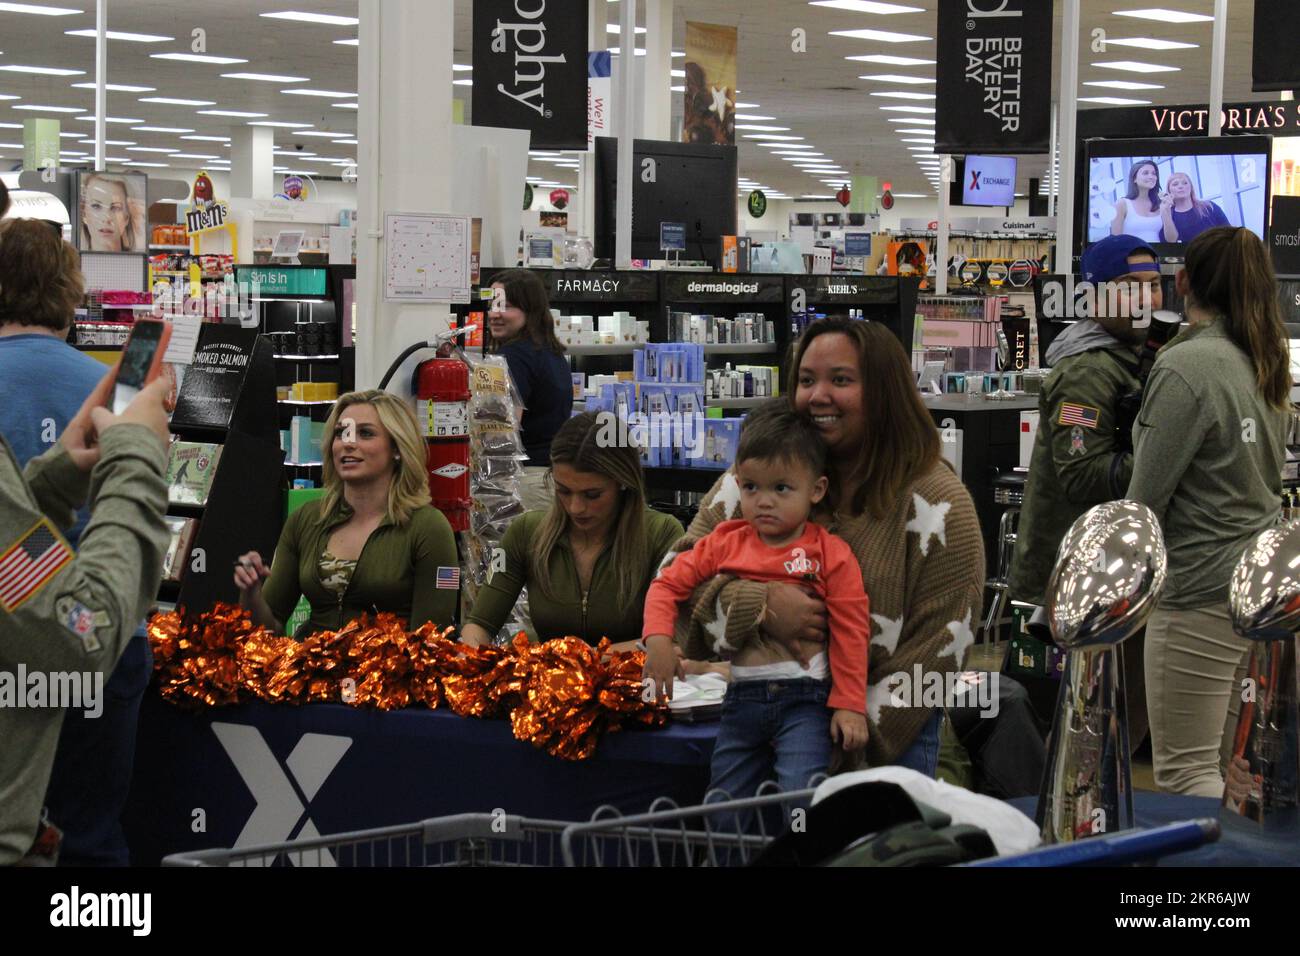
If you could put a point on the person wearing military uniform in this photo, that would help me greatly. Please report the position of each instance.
(1080, 457)
(64, 612)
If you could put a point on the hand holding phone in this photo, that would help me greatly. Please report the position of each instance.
(141, 361)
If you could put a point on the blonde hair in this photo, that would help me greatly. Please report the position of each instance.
(409, 489)
(577, 445)
(128, 234)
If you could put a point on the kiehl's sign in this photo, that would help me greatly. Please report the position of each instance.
(530, 69)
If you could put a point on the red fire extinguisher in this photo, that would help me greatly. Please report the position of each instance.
(442, 406)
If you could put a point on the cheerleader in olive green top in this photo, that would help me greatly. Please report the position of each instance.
(373, 542)
(587, 560)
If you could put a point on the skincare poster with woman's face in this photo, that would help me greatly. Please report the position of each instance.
(110, 212)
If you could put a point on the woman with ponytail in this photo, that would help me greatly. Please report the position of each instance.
(1209, 448)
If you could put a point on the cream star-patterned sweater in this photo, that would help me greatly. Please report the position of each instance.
(923, 570)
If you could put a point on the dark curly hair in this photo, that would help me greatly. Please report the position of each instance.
(40, 275)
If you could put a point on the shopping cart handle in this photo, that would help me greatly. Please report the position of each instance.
(1128, 846)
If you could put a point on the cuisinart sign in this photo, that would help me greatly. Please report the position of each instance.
(530, 69)
(994, 76)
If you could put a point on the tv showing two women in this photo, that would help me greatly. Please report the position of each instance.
(1174, 198)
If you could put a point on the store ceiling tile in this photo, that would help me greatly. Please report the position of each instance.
(817, 94)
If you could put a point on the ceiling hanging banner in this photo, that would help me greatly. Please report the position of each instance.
(710, 97)
(994, 76)
(599, 97)
(530, 69)
(1274, 65)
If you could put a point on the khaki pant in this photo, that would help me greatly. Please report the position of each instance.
(1194, 668)
(533, 489)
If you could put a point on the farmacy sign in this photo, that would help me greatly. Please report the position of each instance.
(530, 69)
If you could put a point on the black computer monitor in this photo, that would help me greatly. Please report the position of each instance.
(693, 183)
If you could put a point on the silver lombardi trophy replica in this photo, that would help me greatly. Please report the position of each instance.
(1109, 573)
(1261, 787)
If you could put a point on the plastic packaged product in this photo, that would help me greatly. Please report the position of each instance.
(487, 468)
(497, 444)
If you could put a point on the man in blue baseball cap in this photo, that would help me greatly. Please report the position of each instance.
(1078, 459)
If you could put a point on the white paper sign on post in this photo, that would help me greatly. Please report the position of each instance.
(426, 257)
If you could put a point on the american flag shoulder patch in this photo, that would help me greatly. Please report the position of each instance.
(30, 563)
(448, 578)
(1073, 414)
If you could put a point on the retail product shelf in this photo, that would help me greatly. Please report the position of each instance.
(303, 464)
(734, 402)
(308, 358)
(602, 349)
(740, 348)
(91, 347)
(160, 247)
(299, 401)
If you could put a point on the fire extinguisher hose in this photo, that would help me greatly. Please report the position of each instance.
(433, 343)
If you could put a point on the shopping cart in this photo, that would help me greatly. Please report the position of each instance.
(467, 839)
(718, 833)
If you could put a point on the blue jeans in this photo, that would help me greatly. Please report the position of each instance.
(923, 755)
(91, 777)
(776, 728)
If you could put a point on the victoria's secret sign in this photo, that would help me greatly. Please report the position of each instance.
(1189, 120)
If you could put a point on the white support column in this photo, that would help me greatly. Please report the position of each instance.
(1218, 46)
(1069, 104)
(101, 74)
(1052, 170)
(252, 162)
(587, 161)
(941, 234)
(656, 91)
(404, 163)
(626, 126)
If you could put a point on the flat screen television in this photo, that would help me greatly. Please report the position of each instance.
(693, 183)
(980, 180)
(1203, 182)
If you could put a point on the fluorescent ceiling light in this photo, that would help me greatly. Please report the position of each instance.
(1164, 15)
(345, 106)
(752, 117)
(312, 18)
(194, 156)
(49, 109)
(198, 58)
(280, 125)
(1135, 66)
(322, 134)
(352, 42)
(1114, 100)
(774, 137)
(922, 130)
(109, 119)
(909, 109)
(639, 51)
(237, 114)
(910, 196)
(116, 35)
(209, 139)
(327, 94)
(461, 68)
(885, 36)
(907, 139)
(677, 89)
(866, 6)
(1150, 43)
(43, 70)
(161, 129)
(11, 145)
(614, 28)
(816, 196)
(888, 59)
(173, 101)
(462, 82)
(747, 106)
(115, 87)
(150, 149)
(41, 11)
(62, 135)
(680, 74)
(327, 159)
(920, 149)
(764, 129)
(7, 96)
(896, 78)
(903, 95)
(349, 142)
(266, 77)
(110, 142)
(909, 119)
(136, 162)
(1123, 85)
(677, 53)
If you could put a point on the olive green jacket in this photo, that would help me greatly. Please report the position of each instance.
(74, 618)
(396, 572)
(1075, 464)
(567, 610)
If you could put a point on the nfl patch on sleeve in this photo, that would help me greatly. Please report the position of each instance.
(30, 563)
(1072, 414)
(448, 578)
